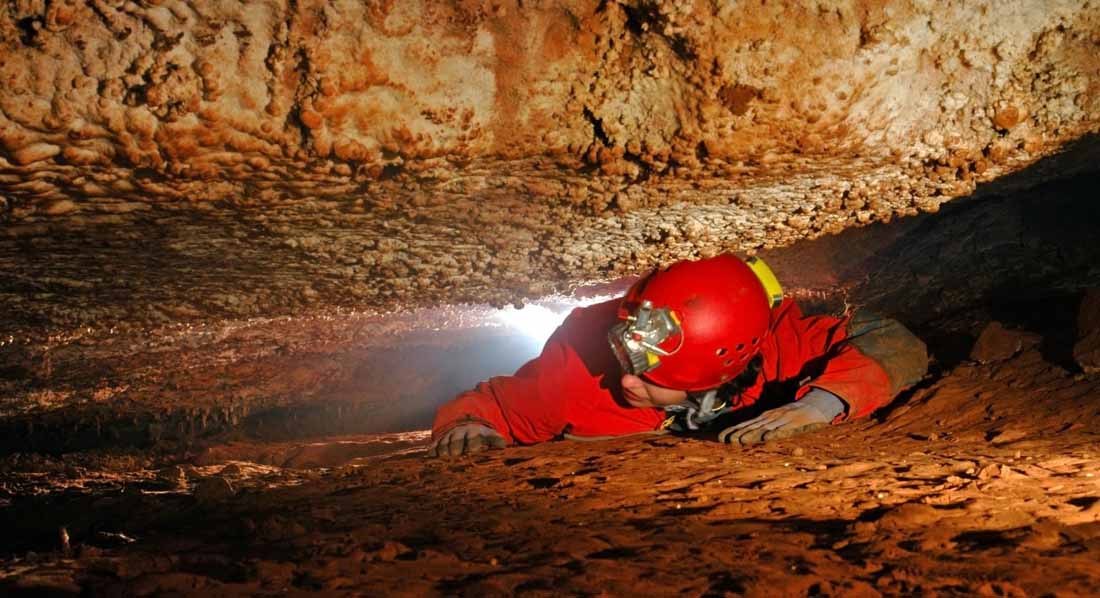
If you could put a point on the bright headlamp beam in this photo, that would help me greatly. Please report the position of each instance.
(535, 321)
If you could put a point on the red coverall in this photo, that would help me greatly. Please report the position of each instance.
(574, 386)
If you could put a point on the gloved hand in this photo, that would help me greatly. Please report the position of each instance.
(466, 439)
(815, 410)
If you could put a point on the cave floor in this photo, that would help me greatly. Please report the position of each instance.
(985, 481)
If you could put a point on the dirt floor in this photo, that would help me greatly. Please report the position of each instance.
(985, 481)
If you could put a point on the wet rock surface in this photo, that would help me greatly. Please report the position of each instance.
(982, 482)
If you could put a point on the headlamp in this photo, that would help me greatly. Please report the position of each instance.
(636, 340)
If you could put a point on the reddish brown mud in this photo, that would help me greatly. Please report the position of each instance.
(984, 482)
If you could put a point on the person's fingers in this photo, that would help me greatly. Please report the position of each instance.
(741, 434)
(781, 422)
(726, 436)
(496, 440)
(475, 442)
(730, 434)
(458, 441)
(466, 439)
(734, 433)
(751, 436)
(768, 422)
(440, 446)
(791, 418)
(792, 430)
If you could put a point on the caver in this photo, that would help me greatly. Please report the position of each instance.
(690, 347)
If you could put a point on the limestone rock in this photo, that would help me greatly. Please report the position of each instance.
(174, 477)
(213, 490)
(269, 156)
(997, 343)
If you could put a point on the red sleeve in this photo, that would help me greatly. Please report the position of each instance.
(863, 359)
(572, 386)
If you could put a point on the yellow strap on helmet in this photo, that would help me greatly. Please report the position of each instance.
(768, 279)
(652, 359)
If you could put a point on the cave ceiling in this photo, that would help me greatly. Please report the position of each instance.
(172, 161)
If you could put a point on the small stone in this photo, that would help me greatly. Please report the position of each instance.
(232, 469)
(35, 152)
(798, 451)
(389, 551)
(997, 343)
(1000, 588)
(214, 489)
(1006, 116)
(310, 118)
(112, 539)
(174, 477)
(1008, 473)
(623, 202)
(274, 574)
(989, 472)
(61, 206)
(798, 222)
(63, 540)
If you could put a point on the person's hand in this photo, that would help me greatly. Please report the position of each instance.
(816, 410)
(466, 439)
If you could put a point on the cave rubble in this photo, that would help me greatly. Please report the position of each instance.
(944, 492)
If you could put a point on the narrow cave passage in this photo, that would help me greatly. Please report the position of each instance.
(962, 485)
(253, 253)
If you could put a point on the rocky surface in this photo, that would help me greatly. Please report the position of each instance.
(227, 228)
(186, 161)
(1086, 352)
(979, 483)
(997, 343)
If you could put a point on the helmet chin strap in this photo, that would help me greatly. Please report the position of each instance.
(697, 411)
(705, 406)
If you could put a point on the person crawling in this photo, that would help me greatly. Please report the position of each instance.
(698, 347)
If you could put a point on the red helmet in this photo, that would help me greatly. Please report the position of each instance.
(695, 325)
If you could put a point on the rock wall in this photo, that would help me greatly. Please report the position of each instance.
(165, 161)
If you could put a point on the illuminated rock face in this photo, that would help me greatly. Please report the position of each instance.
(167, 161)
